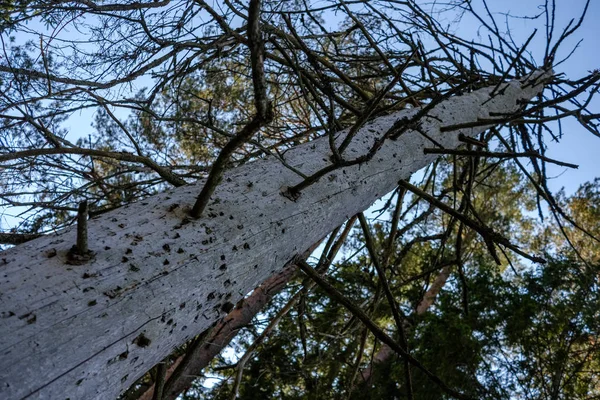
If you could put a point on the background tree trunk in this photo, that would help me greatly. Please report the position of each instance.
(158, 278)
(385, 351)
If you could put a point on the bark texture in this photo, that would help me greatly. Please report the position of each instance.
(89, 331)
(222, 334)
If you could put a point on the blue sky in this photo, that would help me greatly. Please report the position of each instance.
(577, 145)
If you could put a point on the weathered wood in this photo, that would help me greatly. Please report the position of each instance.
(89, 331)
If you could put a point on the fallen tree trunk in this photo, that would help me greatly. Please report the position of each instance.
(158, 278)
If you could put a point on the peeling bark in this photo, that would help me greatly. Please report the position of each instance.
(158, 278)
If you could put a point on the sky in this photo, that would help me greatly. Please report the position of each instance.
(577, 146)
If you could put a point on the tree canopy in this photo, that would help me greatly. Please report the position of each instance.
(484, 280)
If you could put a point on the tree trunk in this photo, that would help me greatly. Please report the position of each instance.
(89, 331)
(385, 351)
(200, 355)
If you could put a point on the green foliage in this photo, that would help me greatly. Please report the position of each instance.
(530, 331)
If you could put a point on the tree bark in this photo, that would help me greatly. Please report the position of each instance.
(181, 374)
(198, 357)
(158, 278)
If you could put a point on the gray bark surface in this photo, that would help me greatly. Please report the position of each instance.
(89, 331)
